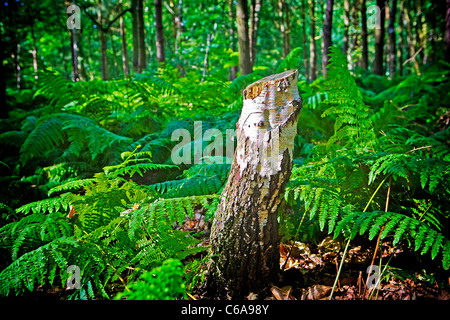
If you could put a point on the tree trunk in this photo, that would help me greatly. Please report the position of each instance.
(255, 7)
(345, 49)
(126, 70)
(3, 107)
(365, 48)
(283, 13)
(103, 54)
(17, 61)
(245, 66)
(305, 51)
(160, 53)
(392, 39)
(74, 50)
(34, 53)
(379, 41)
(244, 235)
(134, 23)
(232, 19)
(312, 42)
(447, 33)
(327, 27)
(401, 41)
(411, 42)
(142, 61)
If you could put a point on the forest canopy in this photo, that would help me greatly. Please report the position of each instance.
(118, 135)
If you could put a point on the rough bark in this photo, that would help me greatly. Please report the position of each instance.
(160, 53)
(245, 66)
(327, 43)
(312, 42)
(244, 236)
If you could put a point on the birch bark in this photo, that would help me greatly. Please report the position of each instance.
(244, 235)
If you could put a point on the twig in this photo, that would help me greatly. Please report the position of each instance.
(413, 57)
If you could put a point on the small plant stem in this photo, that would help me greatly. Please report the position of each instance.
(379, 235)
(348, 241)
(340, 268)
(293, 243)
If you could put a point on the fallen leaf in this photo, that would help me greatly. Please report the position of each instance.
(316, 292)
(282, 293)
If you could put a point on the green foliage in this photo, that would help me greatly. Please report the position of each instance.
(336, 184)
(114, 226)
(161, 283)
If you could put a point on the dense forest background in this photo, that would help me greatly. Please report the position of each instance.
(91, 93)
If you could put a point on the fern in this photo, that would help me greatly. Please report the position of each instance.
(47, 205)
(426, 239)
(352, 124)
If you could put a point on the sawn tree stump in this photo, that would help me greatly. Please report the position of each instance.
(244, 236)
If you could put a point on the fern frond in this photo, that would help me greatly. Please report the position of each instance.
(72, 185)
(47, 205)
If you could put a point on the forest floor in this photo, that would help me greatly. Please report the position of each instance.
(309, 271)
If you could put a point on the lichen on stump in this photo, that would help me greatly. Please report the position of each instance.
(244, 236)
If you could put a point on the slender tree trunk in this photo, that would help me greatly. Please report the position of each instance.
(447, 33)
(327, 27)
(379, 41)
(142, 61)
(125, 68)
(345, 49)
(74, 50)
(401, 42)
(312, 42)
(283, 13)
(304, 40)
(364, 41)
(3, 106)
(17, 60)
(232, 19)
(411, 42)
(160, 53)
(392, 39)
(34, 53)
(134, 21)
(245, 66)
(255, 7)
(355, 11)
(103, 47)
(244, 236)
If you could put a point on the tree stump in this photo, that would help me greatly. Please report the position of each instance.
(244, 236)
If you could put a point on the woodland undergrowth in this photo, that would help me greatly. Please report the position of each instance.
(92, 161)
